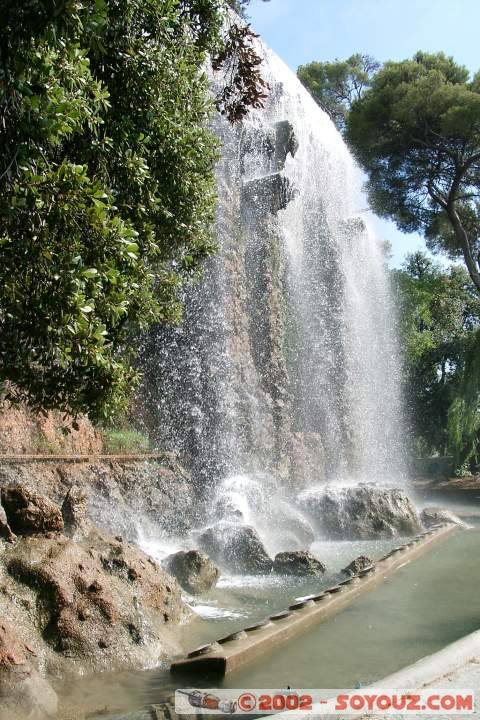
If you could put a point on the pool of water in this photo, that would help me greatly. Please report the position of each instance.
(425, 605)
(239, 600)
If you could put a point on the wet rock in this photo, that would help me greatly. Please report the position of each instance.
(89, 605)
(258, 498)
(237, 548)
(75, 513)
(286, 142)
(360, 563)
(122, 496)
(271, 193)
(23, 692)
(361, 512)
(5, 529)
(28, 512)
(274, 143)
(298, 562)
(434, 515)
(157, 492)
(194, 570)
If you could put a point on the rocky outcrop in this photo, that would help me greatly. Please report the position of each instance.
(75, 513)
(274, 142)
(82, 603)
(360, 563)
(102, 602)
(273, 192)
(5, 529)
(285, 144)
(361, 512)
(23, 692)
(194, 570)
(23, 431)
(238, 548)
(98, 604)
(298, 562)
(158, 492)
(119, 494)
(435, 515)
(28, 512)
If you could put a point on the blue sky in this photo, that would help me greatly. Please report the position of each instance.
(304, 30)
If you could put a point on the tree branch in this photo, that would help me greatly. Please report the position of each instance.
(458, 228)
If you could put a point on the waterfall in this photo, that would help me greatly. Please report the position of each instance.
(285, 372)
(347, 359)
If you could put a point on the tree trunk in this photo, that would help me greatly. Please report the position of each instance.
(463, 241)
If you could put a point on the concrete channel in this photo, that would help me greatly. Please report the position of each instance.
(244, 646)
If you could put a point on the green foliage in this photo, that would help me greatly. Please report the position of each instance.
(238, 59)
(126, 440)
(464, 412)
(440, 313)
(240, 6)
(416, 131)
(107, 190)
(335, 86)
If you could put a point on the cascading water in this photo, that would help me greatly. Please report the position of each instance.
(284, 373)
(346, 357)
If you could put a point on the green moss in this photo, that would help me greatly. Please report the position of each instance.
(125, 440)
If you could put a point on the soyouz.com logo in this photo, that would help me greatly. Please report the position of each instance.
(325, 702)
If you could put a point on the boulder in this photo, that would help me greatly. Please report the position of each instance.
(298, 562)
(256, 501)
(360, 563)
(237, 548)
(435, 515)
(28, 512)
(194, 570)
(75, 513)
(98, 604)
(360, 512)
(23, 692)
